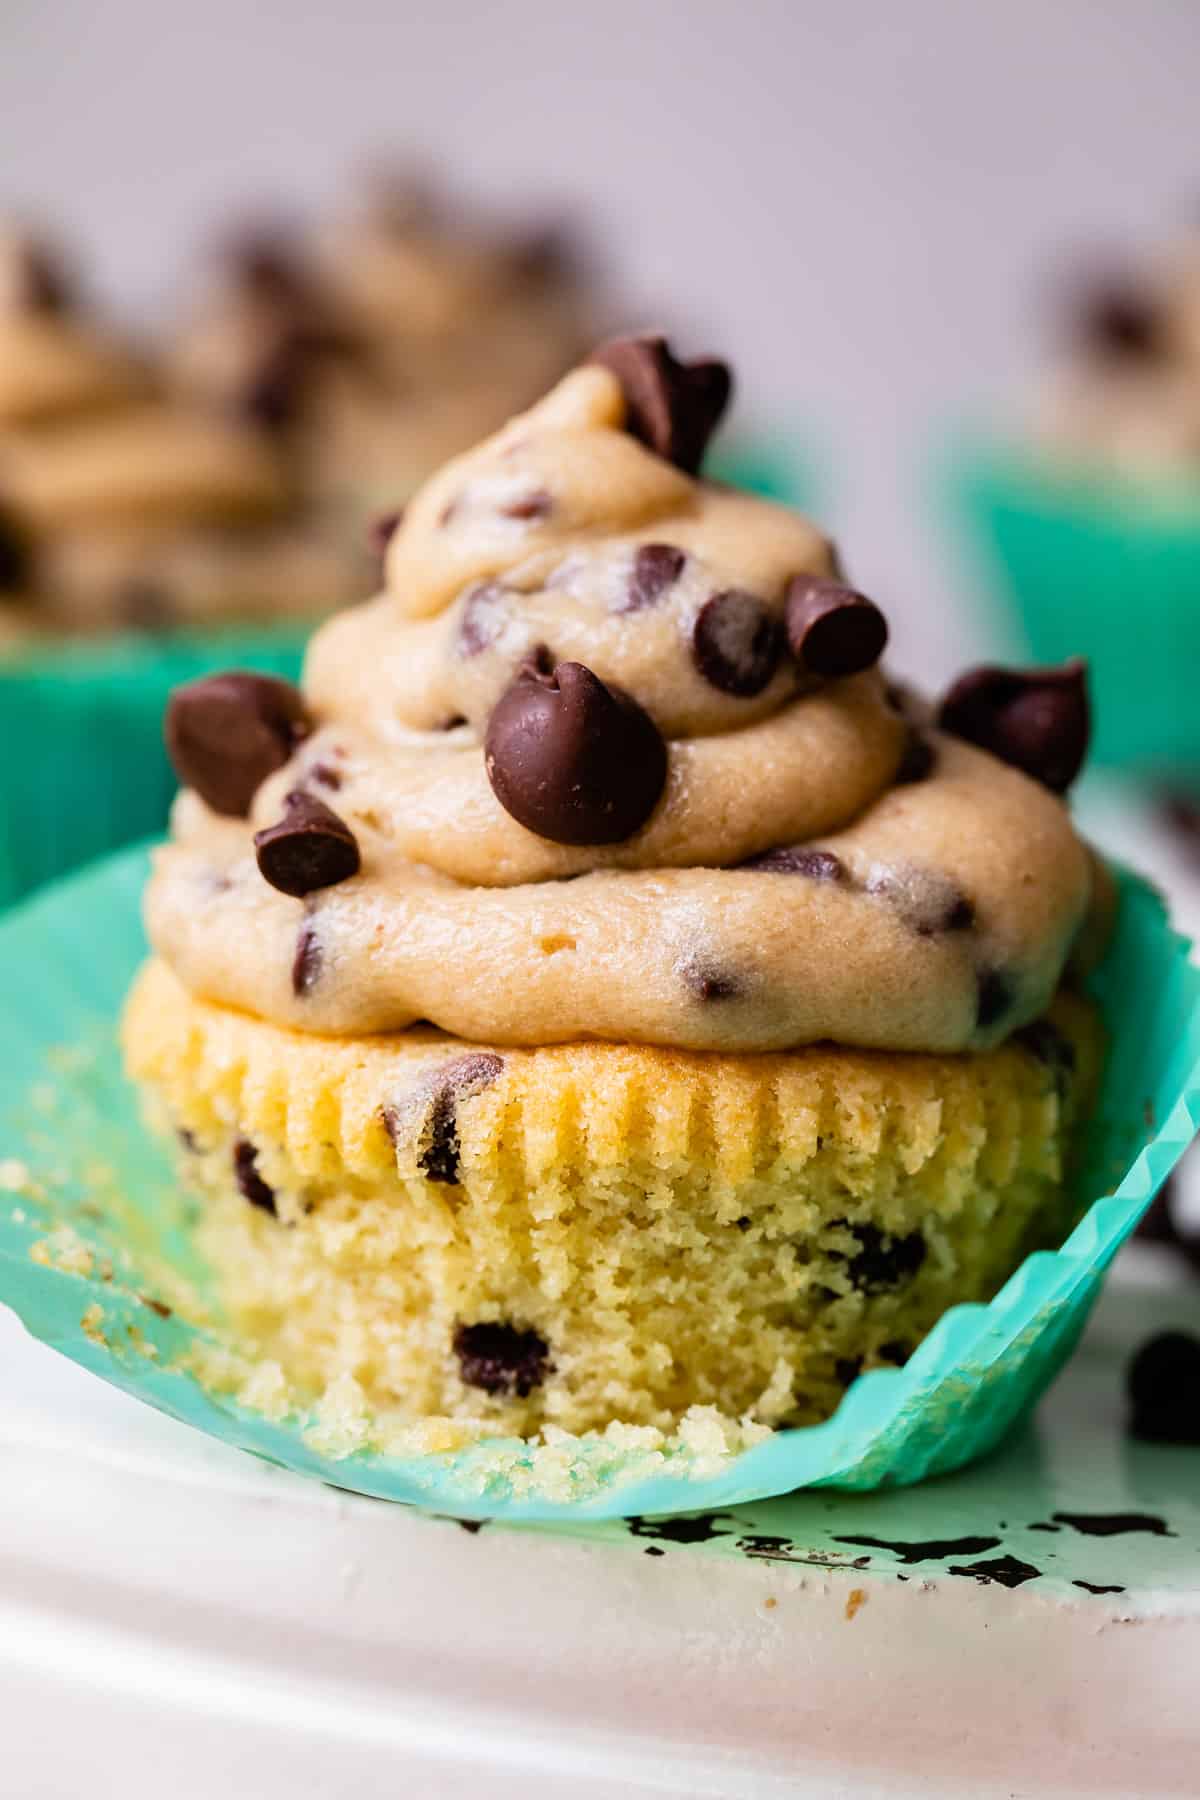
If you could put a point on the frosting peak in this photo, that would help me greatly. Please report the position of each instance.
(594, 787)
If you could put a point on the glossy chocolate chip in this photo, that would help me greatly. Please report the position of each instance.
(672, 407)
(1164, 1389)
(736, 643)
(250, 1183)
(502, 1359)
(440, 1157)
(309, 848)
(572, 759)
(832, 629)
(1038, 720)
(226, 733)
(881, 1260)
(656, 567)
(800, 859)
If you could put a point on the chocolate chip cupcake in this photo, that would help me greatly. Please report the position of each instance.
(599, 994)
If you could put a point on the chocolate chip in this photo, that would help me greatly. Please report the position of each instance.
(326, 774)
(1047, 1044)
(831, 628)
(572, 759)
(656, 567)
(249, 1181)
(1036, 719)
(916, 761)
(672, 407)
(995, 996)
(881, 1261)
(1164, 1389)
(538, 505)
(708, 982)
(1121, 321)
(306, 963)
(382, 529)
(309, 848)
(15, 557)
(502, 1359)
(736, 643)
(32, 277)
(226, 733)
(480, 622)
(440, 1157)
(799, 859)
(928, 902)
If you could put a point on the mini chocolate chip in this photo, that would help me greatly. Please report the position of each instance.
(1036, 719)
(502, 1359)
(541, 660)
(917, 760)
(572, 759)
(249, 1181)
(881, 1261)
(226, 733)
(538, 505)
(929, 902)
(453, 722)
(382, 529)
(327, 775)
(32, 277)
(832, 629)
(309, 848)
(1164, 1389)
(672, 407)
(1047, 1044)
(799, 859)
(481, 620)
(1122, 321)
(306, 963)
(187, 1138)
(656, 567)
(736, 643)
(440, 1157)
(15, 558)
(995, 997)
(707, 981)
(272, 392)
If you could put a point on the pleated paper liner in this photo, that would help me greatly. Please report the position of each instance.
(1108, 569)
(84, 770)
(94, 1234)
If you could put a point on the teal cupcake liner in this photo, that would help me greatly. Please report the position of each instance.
(85, 770)
(79, 1174)
(1108, 569)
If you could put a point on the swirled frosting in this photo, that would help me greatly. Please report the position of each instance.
(802, 876)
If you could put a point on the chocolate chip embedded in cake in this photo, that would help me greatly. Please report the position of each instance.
(736, 643)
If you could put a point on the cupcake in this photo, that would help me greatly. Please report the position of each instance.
(393, 337)
(598, 994)
(1095, 498)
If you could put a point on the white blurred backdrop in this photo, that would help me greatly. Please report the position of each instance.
(854, 201)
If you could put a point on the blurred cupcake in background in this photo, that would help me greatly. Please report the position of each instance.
(1088, 522)
(388, 339)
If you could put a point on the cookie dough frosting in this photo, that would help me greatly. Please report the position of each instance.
(611, 757)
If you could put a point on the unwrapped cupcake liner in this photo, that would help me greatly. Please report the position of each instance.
(1104, 568)
(94, 1232)
(84, 769)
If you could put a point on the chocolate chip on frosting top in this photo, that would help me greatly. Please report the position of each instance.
(611, 758)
